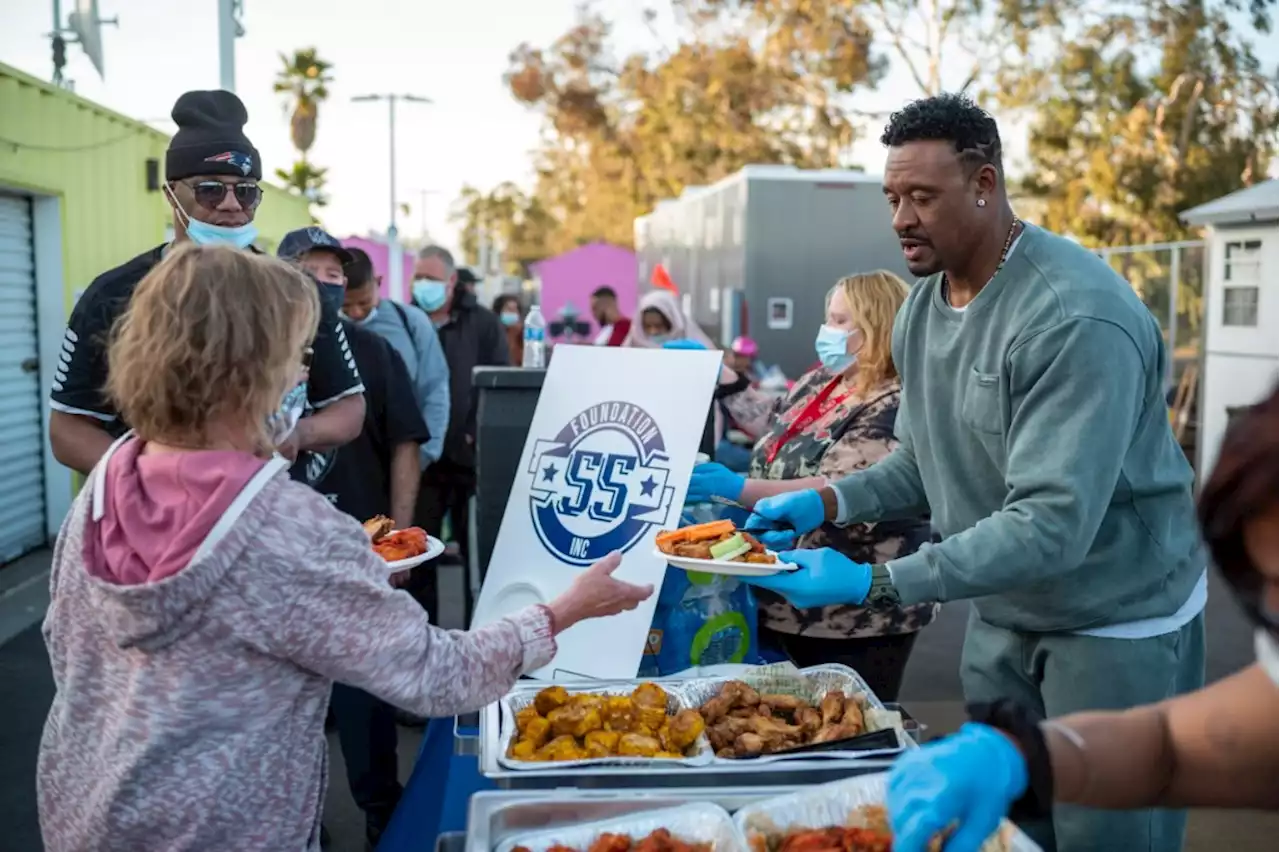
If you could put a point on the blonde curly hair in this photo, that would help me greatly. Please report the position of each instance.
(874, 299)
(213, 336)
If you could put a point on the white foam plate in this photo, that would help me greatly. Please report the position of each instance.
(434, 548)
(515, 597)
(726, 567)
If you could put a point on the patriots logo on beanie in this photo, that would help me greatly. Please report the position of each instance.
(210, 138)
(243, 162)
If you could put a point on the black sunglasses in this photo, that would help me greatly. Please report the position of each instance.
(210, 193)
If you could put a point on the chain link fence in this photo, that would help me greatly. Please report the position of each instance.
(1169, 278)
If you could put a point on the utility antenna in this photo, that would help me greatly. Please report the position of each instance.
(84, 26)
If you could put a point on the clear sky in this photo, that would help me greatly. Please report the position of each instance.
(452, 52)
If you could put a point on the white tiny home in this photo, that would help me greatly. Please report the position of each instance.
(1242, 307)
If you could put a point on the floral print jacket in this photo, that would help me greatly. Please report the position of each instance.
(854, 434)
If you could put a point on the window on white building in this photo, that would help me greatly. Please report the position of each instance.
(1241, 277)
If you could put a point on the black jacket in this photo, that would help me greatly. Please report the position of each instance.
(472, 337)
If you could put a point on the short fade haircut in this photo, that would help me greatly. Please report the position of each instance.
(950, 118)
(605, 293)
(444, 255)
(359, 271)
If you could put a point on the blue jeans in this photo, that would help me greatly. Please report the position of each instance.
(732, 456)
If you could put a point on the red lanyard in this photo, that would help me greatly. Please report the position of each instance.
(818, 406)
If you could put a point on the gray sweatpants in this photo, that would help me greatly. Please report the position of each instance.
(1060, 673)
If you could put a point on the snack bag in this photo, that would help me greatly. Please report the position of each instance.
(701, 619)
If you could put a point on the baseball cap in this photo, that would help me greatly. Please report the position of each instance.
(299, 242)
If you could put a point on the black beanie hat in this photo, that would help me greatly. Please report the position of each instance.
(210, 138)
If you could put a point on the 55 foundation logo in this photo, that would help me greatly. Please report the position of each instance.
(600, 484)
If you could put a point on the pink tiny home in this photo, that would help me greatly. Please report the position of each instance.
(569, 279)
(379, 254)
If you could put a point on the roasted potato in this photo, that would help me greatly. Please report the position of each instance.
(638, 745)
(683, 731)
(561, 748)
(602, 743)
(537, 732)
(549, 699)
(525, 716)
(574, 720)
(619, 713)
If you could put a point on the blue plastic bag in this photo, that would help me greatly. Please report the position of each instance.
(701, 619)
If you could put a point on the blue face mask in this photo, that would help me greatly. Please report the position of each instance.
(204, 234)
(429, 294)
(367, 319)
(832, 346)
(509, 319)
(660, 339)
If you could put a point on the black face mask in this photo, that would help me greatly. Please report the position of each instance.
(331, 295)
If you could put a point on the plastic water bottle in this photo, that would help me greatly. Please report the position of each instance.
(535, 344)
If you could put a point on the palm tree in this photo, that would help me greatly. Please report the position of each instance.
(306, 180)
(304, 79)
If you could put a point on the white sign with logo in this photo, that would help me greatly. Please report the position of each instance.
(605, 467)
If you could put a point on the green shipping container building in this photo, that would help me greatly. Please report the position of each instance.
(78, 195)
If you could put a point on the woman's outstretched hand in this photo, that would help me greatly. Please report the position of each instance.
(595, 593)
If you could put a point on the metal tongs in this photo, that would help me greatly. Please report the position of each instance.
(772, 525)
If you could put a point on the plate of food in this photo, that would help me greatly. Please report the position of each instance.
(401, 549)
(718, 547)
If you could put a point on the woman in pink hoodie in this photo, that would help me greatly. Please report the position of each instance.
(203, 604)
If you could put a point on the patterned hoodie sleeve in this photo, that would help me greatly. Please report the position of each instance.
(344, 622)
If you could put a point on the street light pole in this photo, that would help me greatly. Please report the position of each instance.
(229, 29)
(394, 270)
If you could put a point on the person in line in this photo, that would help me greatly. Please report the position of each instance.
(614, 327)
(662, 321)
(507, 308)
(212, 174)
(376, 474)
(413, 337)
(472, 337)
(203, 604)
(1033, 429)
(663, 325)
(1214, 748)
(837, 419)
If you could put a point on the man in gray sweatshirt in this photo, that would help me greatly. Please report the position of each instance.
(413, 336)
(1033, 429)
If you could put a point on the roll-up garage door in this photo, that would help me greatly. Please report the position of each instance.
(22, 516)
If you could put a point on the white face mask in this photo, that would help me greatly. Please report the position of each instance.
(1268, 654)
(281, 424)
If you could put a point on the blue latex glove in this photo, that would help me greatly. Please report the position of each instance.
(683, 344)
(969, 779)
(825, 577)
(800, 511)
(711, 479)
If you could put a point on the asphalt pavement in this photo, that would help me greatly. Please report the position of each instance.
(931, 693)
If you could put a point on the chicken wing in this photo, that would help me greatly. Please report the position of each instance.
(832, 707)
